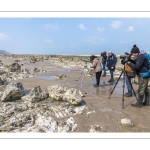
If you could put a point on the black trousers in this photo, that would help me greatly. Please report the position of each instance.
(98, 75)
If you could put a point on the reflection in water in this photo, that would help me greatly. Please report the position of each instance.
(49, 78)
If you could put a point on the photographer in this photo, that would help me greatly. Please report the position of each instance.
(96, 64)
(111, 63)
(104, 59)
(141, 66)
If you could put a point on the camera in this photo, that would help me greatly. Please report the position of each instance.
(103, 53)
(124, 59)
(86, 60)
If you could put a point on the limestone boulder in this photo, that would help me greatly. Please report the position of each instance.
(25, 71)
(14, 67)
(35, 70)
(61, 93)
(36, 95)
(12, 92)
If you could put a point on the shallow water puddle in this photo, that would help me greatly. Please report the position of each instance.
(49, 78)
(110, 110)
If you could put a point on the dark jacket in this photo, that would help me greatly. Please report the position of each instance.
(141, 65)
(104, 58)
(111, 62)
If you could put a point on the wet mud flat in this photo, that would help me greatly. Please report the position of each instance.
(103, 114)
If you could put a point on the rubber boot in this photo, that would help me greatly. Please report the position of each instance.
(146, 100)
(139, 102)
(111, 80)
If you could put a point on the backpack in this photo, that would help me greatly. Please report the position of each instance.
(146, 74)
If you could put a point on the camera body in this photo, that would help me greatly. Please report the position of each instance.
(125, 58)
(103, 53)
(86, 60)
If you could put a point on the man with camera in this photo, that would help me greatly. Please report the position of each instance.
(111, 63)
(141, 67)
(104, 60)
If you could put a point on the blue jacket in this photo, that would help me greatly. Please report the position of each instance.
(111, 62)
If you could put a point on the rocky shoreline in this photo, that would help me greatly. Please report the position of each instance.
(35, 109)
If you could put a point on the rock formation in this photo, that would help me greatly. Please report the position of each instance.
(61, 93)
(13, 91)
(36, 95)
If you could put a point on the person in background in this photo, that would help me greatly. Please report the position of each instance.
(111, 63)
(104, 60)
(96, 64)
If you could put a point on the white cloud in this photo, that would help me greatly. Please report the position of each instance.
(52, 26)
(94, 40)
(116, 24)
(48, 41)
(82, 27)
(130, 28)
(3, 36)
(100, 29)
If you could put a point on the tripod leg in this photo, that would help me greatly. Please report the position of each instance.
(82, 80)
(116, 83)
(131, 85)
(89, 73)
(81, 74)
(123, 92)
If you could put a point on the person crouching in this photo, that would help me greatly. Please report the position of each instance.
(96, 64)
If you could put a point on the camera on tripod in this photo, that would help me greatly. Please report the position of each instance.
(125, 58)
(86, 60)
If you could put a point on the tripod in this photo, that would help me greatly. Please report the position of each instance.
(83, 73)
(125, 72)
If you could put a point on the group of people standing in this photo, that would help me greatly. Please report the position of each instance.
(108, 61)
(138, 65)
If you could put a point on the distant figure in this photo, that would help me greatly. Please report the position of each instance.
(111, 63)
(96, 64)
(104, 60)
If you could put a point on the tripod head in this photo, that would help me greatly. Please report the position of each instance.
(86, 61)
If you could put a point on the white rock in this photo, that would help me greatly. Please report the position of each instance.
(127, 122)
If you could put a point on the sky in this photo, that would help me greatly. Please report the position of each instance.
(85, 36)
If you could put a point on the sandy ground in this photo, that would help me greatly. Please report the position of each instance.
(106, 112)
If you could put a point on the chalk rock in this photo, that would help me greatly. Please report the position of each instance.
(43, 71)
(33, 60)
(61, 93)
(60, 76)
(14, 67)
(18, 121)
(25, 70)
(35, 70)
(12, 92)
(36, 95)
(95, 128)
(67, 126)
(127, 122)
(1, 81)
(43, 124)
